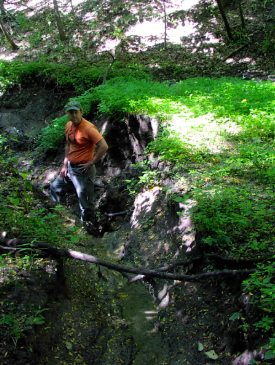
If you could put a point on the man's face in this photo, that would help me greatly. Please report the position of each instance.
(75, 116)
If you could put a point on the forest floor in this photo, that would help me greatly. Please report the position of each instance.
(96, 317)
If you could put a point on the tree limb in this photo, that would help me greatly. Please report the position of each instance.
(235, 52)
(120, 268)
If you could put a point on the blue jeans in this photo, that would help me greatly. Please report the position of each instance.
(84, 186)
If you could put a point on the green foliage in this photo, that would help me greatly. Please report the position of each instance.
(230, 215)
(261, 285)
(14, 323)
(270, 353)
(53, 134)
(170, 147)
(147, 178)
(225, 97)
(66, 76)
(125, 95)
(20, 215)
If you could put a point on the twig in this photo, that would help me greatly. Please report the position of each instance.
(115, 214)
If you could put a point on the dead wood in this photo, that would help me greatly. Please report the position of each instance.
(235, 52)
(141, 273)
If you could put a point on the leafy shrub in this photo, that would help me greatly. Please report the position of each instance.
(262, 286)
(124, 95)
(52, 135)
(79, 79)
(226, 216)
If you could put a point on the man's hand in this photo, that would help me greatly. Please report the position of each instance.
(102, 148)
(86, 166)
(63, 172)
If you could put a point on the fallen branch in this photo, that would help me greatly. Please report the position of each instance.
(4, 249)
(141, 272)
(115, 214)
(235, 52)
(222, 260)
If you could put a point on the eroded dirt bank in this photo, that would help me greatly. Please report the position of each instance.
(95, 316)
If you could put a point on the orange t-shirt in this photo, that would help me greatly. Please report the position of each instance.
(82, 140)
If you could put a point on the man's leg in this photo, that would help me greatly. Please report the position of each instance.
(84, 186)
(59, 187)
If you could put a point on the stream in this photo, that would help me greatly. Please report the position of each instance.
(99, 318)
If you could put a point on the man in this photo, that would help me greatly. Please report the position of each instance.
(79, 163)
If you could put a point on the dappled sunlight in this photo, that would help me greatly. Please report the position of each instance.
(104, 127)
(7, 54)
(143, 205)
(165, 301)
(150, 32)
(51, 175)
(204, 131)
(185, 225)
(150, 315)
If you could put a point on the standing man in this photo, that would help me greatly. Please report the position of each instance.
(79, 163)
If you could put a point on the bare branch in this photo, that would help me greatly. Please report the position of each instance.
(141, 272)
(235, 52)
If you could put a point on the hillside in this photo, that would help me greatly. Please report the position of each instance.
(178, 268)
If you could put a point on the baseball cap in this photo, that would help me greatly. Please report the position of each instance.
(73, 105)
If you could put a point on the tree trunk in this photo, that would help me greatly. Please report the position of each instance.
(60, 27)
(8, 37)
(227, 27)
(165, 25)
(241, 15)
(70, 1)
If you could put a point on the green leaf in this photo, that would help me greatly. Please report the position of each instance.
(234, 316)
(24, 175)
(69, 345)
(28, 185)
(270, 354)
(200, 346)
(39, 320)
(14, 201)
(212, 355)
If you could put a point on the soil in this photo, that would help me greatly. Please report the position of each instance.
(94, 315)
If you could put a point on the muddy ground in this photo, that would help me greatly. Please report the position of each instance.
(94, 315)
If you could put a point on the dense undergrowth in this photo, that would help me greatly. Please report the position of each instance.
(217, 136)
(22, 215)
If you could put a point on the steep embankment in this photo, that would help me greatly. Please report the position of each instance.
(95, 316)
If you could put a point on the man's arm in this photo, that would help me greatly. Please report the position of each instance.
(64, 170)
(102, 149)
